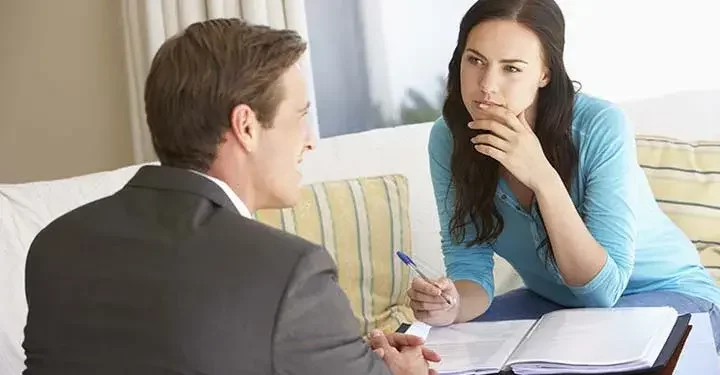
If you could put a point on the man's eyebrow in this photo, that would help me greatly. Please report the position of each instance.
(306, 108)
(504, 61)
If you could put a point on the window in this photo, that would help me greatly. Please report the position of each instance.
(379, 63)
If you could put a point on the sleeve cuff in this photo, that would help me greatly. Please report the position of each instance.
(599, 281)
(485, 284)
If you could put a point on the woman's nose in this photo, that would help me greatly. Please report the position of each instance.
(488, 82)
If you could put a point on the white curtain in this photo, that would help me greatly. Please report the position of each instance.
(148, 23)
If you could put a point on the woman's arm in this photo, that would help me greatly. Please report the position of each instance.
(470, 268)
(579, 257)
(595, 254)
(473, 300)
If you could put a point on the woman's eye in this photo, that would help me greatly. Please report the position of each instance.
(474, 60)
(512, 69)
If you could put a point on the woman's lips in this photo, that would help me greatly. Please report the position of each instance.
(478, 103)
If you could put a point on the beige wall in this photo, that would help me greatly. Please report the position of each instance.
(63, 94)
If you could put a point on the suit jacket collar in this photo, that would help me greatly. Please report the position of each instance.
(183, 180)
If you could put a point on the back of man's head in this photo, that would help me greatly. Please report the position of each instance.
(199, 76)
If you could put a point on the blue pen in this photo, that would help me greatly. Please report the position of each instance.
(409, 262)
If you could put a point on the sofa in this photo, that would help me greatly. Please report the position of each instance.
(365, 195)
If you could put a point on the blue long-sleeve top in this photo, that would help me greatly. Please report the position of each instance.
(646, 250)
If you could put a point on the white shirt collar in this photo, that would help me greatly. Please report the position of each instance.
(239, 205)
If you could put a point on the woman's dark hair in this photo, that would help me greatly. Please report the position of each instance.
(474, 175)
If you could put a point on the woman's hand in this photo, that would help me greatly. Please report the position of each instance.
(511, 141)
(429, 306)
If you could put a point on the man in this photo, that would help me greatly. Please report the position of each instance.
(171, 275)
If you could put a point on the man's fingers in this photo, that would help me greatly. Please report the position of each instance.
(380, 352)
(402, 342)
(378, 340)
(430, 355)
(400, 339)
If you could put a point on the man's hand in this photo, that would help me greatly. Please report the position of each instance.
(404, 354)
(401, 340)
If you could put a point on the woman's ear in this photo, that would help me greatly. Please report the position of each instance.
(544, 79)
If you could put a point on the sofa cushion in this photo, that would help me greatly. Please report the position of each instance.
(361, 222)
(685, 178)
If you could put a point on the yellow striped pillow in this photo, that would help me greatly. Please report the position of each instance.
(685, 178)
(361, 222)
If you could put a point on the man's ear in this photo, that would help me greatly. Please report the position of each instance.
(245, 127)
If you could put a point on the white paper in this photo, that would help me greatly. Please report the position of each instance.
(590, 340)
(476, 348)
(582, 341)
(419, 329)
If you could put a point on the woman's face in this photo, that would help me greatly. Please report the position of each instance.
(502, 65)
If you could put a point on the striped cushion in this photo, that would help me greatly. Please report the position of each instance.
(361, 222)
(685, 178)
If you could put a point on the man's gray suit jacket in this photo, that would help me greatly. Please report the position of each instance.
(166, 277)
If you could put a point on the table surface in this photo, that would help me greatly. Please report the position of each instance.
(698, 355)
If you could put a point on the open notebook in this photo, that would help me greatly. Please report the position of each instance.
(586, 340)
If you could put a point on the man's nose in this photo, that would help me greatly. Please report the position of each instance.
(311, 141)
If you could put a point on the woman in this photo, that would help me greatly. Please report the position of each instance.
(547, 178)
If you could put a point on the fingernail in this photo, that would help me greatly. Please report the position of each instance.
(375, 333)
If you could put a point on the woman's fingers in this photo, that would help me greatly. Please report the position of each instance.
(491, 140)
(428, 306)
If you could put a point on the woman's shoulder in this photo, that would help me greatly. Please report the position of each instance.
(597, 119)
(440, 127)
(440, 139)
